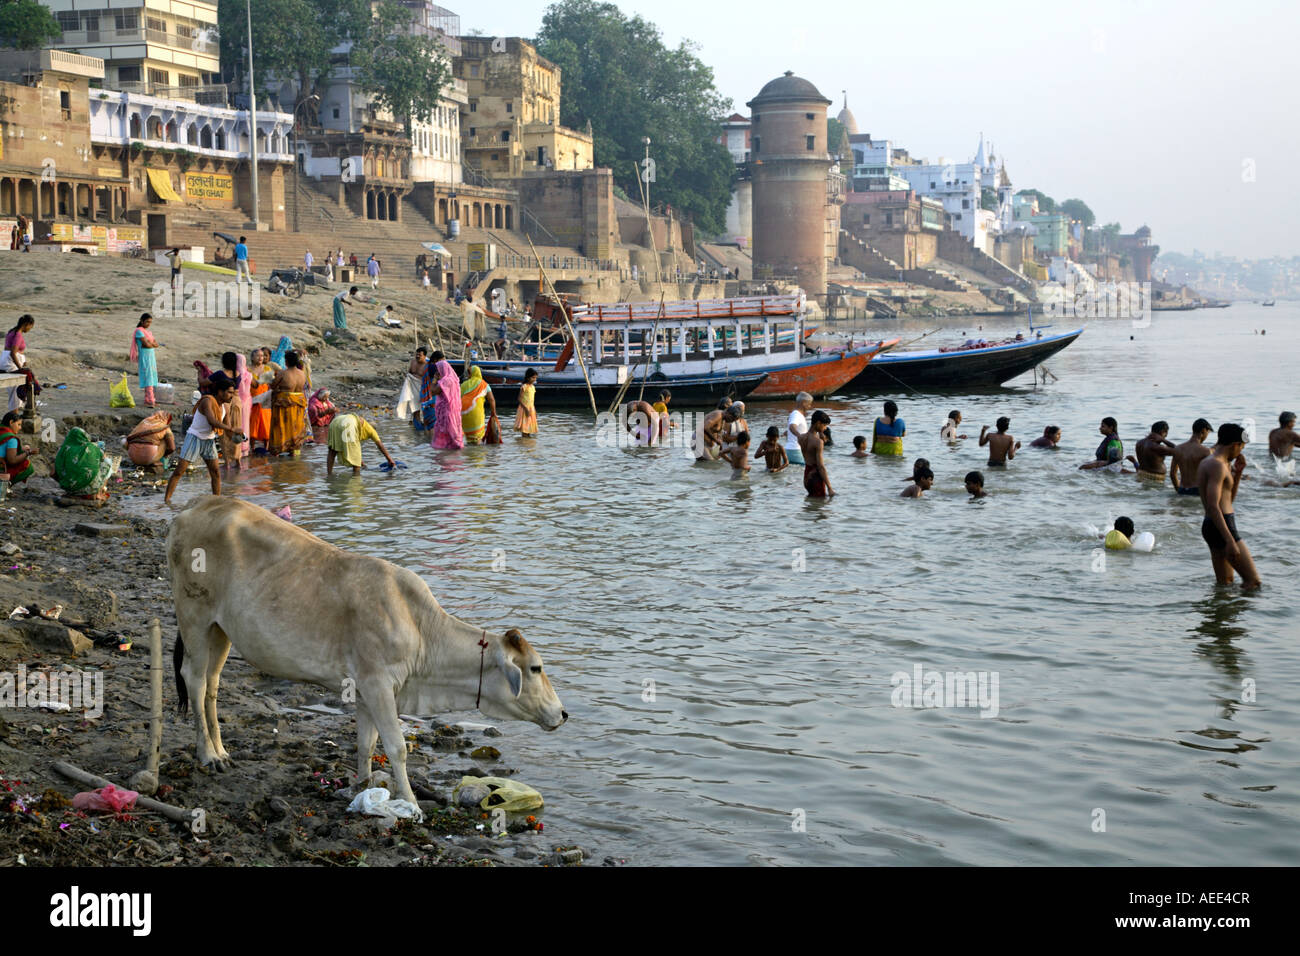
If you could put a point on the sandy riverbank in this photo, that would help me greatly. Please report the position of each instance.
(282, 803)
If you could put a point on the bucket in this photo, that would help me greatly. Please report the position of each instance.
(165, 393)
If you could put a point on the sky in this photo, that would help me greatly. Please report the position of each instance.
(1184, 116)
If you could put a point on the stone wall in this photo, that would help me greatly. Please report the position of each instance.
(576, 207)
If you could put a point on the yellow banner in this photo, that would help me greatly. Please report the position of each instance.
(108, 172)
(210, 186)
(162, 185)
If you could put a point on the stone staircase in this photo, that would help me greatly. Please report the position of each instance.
(325, 224)
(866, 258)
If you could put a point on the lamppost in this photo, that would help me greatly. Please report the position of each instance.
(645, 173)
(252, 113)
(297, 199)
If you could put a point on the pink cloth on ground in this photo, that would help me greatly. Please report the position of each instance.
(110, 799)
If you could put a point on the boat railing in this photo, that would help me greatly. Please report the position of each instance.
(748, 307)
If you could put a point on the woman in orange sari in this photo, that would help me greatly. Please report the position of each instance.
(259, 419)
(288, 407)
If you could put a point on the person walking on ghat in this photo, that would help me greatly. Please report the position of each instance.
(241, 261)
(201, 438)
(340, 313)
(1218, 477)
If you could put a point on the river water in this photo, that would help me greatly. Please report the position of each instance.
(728, 648)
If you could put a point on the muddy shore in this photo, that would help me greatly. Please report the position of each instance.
(293, 745)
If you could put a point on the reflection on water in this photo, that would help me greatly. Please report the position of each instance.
(726, 645)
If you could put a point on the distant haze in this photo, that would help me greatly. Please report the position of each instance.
(1154, 113)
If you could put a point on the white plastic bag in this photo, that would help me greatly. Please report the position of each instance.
(378, 802)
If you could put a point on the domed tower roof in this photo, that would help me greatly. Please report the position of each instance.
(846, 118)
(788, 88)
(1144, 232)
(1003, 178)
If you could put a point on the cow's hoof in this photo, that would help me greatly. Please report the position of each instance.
(219, 766)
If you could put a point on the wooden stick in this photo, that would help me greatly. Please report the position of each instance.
(156, 685)
(89, 779)
(577, 345)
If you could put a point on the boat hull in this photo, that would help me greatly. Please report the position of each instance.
(819, 376)
(951, 371)
(691, 390)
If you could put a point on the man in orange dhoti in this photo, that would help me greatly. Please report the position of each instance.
(288, 407)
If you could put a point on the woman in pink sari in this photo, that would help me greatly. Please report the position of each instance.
(447, 430)
(320, 412)
(236, 366)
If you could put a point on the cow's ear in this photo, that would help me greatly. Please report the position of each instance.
(513, 674)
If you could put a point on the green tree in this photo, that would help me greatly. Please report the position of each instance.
(27, 25)
(618, 74)
(404, 74)
(1078, 209)
(1046, 204)
(837, 138)
(989, 198)
(292, 39)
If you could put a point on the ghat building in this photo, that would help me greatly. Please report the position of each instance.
(796, 191)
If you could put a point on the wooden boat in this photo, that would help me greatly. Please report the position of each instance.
(568, 389)
(958, 369)
(1269, 302)
(700, 349)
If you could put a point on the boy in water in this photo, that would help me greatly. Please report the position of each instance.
(816, 479)
(737, 455)
(859, 447)
(949, 430)
(1120, 537)
(923, 481)
(918, 466)
(772, 449)
(1002, 446)
(1050, 438)
(1218, 481)
(975, 485)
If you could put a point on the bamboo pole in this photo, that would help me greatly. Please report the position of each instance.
(156, 686)
(577, 346)
(91, 780)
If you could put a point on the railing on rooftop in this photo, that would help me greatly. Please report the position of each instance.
(206, 94)
(196, 44)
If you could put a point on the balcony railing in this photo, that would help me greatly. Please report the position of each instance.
(208, 94)
(199, 44)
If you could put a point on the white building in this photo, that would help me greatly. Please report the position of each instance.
(121, 118)
(959, 186)
(435, 144)
(163, 47)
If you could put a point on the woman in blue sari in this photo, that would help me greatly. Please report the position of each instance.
(281, 350)
(887, 435)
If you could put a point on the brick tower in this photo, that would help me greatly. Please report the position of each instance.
(789, 165)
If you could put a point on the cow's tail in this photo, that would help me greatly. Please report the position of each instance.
(182, 693)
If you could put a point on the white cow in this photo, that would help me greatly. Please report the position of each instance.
(299, 608)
